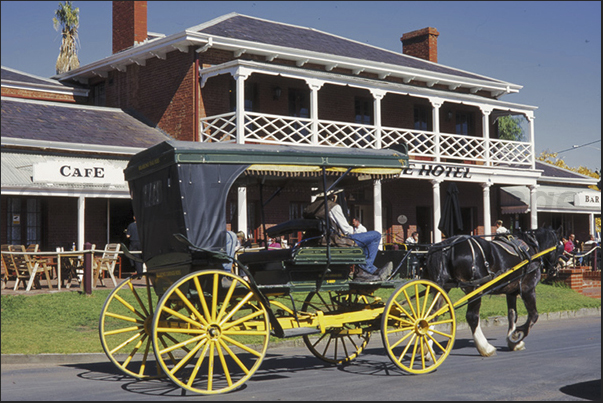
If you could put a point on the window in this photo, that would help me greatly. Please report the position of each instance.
(363, 108)
(296, 210)
(299, 106)
(99, 94)
(464, 124)
(422, 118)
(24, 221)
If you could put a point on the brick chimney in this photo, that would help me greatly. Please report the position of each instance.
(129, 24)
(422, 43)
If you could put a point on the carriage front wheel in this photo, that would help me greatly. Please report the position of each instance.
(418, 326)
(211, 332)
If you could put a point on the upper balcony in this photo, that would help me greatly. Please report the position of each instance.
(263, 128)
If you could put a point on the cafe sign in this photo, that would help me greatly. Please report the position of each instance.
(78, 171)
(587, 199)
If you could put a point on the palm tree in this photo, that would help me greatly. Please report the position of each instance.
(67, 18)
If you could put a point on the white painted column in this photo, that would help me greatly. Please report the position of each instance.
(533, 207)
(314, 85)
(377, 206)
(487, 213)
(240, 76)
(81, 221)
(437, 213)
(486, 111)
(242, 210)
(377, 97)
(591, 223)
(436, 103)
(530, 117)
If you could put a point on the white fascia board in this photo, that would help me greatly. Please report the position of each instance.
(361, 82)
(46, 191)
(568, 181)
(65, 146)
(53, 89)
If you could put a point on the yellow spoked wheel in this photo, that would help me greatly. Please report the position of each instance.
(125, 328)
(418, 326)
(337, 345)
(211, 332)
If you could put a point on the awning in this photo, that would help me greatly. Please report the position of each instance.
(27, 174)
(568, 199)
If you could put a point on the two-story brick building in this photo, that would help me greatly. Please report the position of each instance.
(247, 80)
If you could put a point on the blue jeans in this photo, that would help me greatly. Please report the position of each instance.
(231, 245)
(369, 242)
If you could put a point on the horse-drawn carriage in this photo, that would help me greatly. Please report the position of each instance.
(207, 328)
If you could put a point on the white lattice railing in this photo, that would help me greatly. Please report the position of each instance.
(277, 129)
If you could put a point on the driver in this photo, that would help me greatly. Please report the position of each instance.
(368, 241)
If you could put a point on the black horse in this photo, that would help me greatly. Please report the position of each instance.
(469, 262)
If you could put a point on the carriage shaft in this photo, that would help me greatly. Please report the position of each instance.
(497, 279)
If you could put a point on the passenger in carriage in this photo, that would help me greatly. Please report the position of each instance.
(368, 241)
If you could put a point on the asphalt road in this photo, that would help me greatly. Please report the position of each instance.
(562, 361)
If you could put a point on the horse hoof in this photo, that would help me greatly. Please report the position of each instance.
(517, 346)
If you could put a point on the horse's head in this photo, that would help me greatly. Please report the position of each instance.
(548, 238)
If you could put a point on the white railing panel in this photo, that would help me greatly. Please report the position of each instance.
(342, 134)
(277, 129)
(219, 128)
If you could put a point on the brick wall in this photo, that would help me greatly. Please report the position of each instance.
(43, 96)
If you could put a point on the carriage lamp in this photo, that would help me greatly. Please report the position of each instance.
(277, 93)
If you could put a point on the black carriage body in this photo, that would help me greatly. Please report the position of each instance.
(181, 188)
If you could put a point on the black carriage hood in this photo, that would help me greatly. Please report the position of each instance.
(182, 187)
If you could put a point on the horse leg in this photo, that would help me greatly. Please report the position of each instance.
(515, 336)
(481, 343)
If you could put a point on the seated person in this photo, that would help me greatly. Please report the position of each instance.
(368, 241)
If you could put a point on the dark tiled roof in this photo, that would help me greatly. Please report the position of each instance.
(274, 33)
(556, 172)
(47, 121)
(19, 77)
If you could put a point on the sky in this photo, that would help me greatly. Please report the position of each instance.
(551, 48)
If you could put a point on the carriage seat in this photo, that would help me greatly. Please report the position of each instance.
(291, 226)
(265, 256)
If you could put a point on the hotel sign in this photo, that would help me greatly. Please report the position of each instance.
(437, 171)
(78, 172)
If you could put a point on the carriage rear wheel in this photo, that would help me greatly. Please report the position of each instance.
(418, 326)
(341, 344)
(210, 332)
(124, 328)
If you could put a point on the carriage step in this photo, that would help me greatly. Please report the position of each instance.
(300, 331)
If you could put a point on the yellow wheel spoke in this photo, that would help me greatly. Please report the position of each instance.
(433, 304)
(123, 317)
(191, 307)
(188, 356)
(414, 352)
(184, 318)
(182, 344)
(224, 365)
(145, 357)
(201, 297)
(418, 299)
(227, 299)
(191, 379)
(180, 330)
(421, 341)
(214, 300)
(400, 319)
(210, 368)
(236, 308)
(130, 307)
(234, 357)
(134, 350)
(402, 339)
(125, 343)
(123, 330)
(133, 290)
(410, 342)
(242, 320)
(400, 307)
(425, 298)
(241, 346)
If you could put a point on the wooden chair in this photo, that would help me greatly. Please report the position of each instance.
(106, 263)
(8, 266)
(28, 267)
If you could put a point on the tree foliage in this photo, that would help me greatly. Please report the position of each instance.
(67, 19)
(509, 128)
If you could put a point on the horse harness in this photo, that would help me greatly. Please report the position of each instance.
(509, 243)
